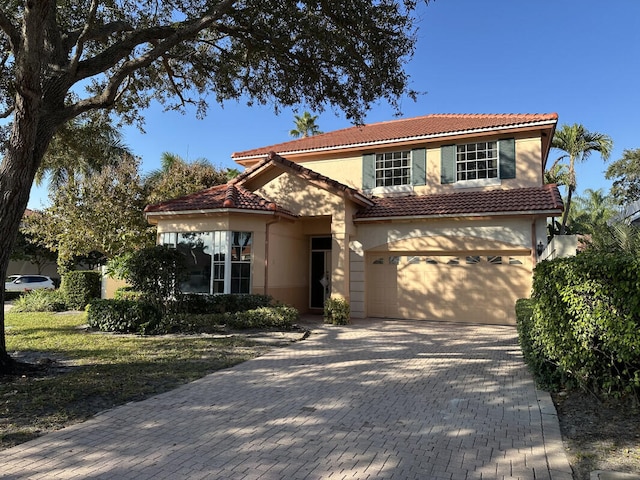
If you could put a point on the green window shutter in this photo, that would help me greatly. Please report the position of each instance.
(368, 171)
(419, 166)
(507, 152)
(448, 164)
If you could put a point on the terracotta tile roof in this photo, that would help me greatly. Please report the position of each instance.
(533, 199)
(397, 130)
(225, 196)
(274, 159)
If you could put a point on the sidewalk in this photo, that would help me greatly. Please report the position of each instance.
(374, 400)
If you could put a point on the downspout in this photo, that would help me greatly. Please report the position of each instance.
(266, 253)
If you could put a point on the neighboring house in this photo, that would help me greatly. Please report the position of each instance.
(436, 217)
(24, 267)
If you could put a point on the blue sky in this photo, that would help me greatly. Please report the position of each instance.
(579, 58)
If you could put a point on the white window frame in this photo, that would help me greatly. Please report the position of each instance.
(477, 182)
(220, 238)
(404, 156)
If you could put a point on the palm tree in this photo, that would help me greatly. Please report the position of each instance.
(578, 143)
(82, 147)
(593, 211)
(305, 126)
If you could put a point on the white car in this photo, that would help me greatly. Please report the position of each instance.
(25, 283)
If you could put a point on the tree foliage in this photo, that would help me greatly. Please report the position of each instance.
(578, 143)
(82, 147)
(178, 177)
(625, 173)
(102, 213)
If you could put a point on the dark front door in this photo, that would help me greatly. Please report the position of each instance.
(320, 280)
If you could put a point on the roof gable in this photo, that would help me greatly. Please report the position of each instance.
(395, 131)
(276, 161)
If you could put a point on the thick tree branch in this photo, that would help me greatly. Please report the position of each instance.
(12, 33)
(79, 44)
(168, 38)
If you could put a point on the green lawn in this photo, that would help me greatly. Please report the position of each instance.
(96, 371)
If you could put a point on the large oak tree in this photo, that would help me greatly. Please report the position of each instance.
(61, 59)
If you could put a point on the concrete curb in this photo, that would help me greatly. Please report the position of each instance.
(559, 467)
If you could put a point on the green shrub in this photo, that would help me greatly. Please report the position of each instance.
(202, 304)
(157, 272)
(128, 293)
(545, 373)
(80, 287)
(279, 316)
(586, 319)
(123, 316)
(336, 311)
(41, 301)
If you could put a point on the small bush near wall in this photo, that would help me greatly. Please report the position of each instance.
(586, 319)
(337, 311)
(80, 287)
(123, 316)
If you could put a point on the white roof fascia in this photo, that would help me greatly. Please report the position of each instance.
(399, 140)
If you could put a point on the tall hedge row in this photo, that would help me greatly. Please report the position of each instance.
(586, 319)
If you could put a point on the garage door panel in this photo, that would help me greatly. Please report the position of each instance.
(465, 287)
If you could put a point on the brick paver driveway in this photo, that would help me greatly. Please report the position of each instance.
(373, 400)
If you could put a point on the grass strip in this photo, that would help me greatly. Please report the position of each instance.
(82, 373)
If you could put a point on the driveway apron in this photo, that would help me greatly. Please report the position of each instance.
(372, 400)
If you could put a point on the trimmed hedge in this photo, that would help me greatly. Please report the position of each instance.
(278, 316)
(586, 319)
(203, 304)
(123, 316)
(545, 373)
(80, 287)
(191, 314)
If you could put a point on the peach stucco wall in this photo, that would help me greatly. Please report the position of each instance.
(347, 169)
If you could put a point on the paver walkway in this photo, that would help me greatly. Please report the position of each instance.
(373, 400)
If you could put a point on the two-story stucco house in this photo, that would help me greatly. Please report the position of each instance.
(436, 217)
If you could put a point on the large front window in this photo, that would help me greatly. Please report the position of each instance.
(218, 262)
(477, 161)
(393, 168)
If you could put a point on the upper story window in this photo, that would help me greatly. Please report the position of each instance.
(476, 161)
(393, 168)
(478, 164)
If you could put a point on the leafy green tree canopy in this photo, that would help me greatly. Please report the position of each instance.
(102, 213)
(178, 177)
(625, 174)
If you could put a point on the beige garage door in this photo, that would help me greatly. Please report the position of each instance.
(461, 288)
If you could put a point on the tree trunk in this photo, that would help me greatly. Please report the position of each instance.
(27, 142)
(565, 215)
